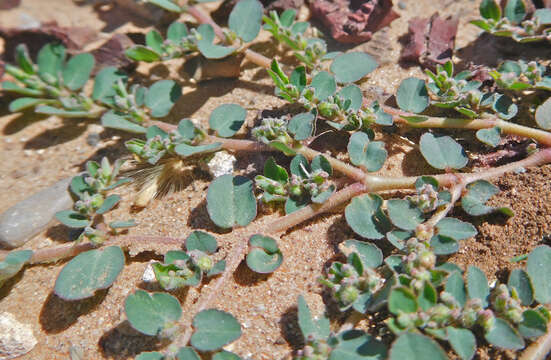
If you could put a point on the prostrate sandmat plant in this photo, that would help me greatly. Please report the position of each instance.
(427, 302)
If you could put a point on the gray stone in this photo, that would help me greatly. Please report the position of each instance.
(16, 339)
(27, 218)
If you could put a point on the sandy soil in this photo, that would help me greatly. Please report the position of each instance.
(38, 151)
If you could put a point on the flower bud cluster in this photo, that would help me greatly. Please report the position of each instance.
(426, 199)
(174, 275)
(314, 350)
(347, 284)
(272, 129)
(507, 304)
(129, 102)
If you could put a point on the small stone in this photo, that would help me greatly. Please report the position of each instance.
(16, 339)
(148, 274)
(401, 5)
(93, 139)
(221, 164)
(27, 218)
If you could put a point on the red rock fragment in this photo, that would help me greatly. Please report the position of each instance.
(353, 21)
(74, 38)
(9, 4)
(430, 41)
(111, 53)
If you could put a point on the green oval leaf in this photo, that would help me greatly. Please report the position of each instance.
(456, 287)
(414, 346)
(369, 154)
(187, 353)
(473, 202)
(108, 204)
(153, 355)
(504, 336)
(477, 285)
(176, 31)
(302, 126)
(324, 85)
(538, 266)
(231, 201)
(317, 328)
(515, 11)
(490, 137)
(150, 314)
(442, 152)
(354, 94)
(167, 5)
(227, 119)
(489, 9)
(162, 96)
(103, 84)
(199, 240)
(115, 121)
(13, 263)
(365, 217)
(520, 280)
(214, 329)
(412, 95)
(462, 341)
(142, 53)
(404, 214)
(50, 59)
(402, 300)
(72, 219)
(265, 256)
(370, 255)
(90, 271)
(533, 324)
(77, 71)
(246, 19)
(225, 355)
(352, 66)
(357, 345)
(455, 228)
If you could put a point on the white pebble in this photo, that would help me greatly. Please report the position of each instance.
(148, 274)
(221, 164)
(16, 338)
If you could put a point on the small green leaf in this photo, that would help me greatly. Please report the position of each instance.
(489, 9)
(533, 324)
(404, 214)
(227, 119)
(231, 201)
(294, 204)
(176, 31)
(357, 345)
(153, 355)
(402, 300)
(354, 94)
(265, 256)
(207, 48)
(442, 152)
(477, 285)
(72, 219)
(214, 329)
(187, 353)
(462, 341)
(89, 271)
(455, 228)
(504, 107)
(154, 40)
(162, 96)
(50, 110)
(444, 245)
(225, 355)
(246, 19)
(150, 314)
(13, 87)
(302, 126)
(414, 346)
(298, 78)
(115, 121)
(122, 224)
(186, 150)
(324, 85)
(503, 335)
(50, 59)
(515, 11)
(142, 53)
(27, 102)
(491, 136)
(275, 172)
(103, 84)
(520, 280)
(543, 115)
(108, 204)
(78, 70)
(352, 66)
(456, 287)
(317, 328)
(538, 266)
(428, 296)
(13, 263)
(366, 153)
(478, 192)
(199, 240)
(365, 217)
(23, 59)
(398, 238)
(370, 255)
(412, 95)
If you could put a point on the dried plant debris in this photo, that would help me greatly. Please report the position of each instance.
(353, 22)
(111, 53)
(431, 40)
(74, 38)
(9, 4)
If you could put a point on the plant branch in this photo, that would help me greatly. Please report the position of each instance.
(441, 213)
